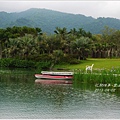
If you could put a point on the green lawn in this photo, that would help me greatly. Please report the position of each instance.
(98, 64)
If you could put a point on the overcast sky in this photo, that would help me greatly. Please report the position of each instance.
(88, 8)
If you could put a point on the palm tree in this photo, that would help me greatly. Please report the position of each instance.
(81, 47)
(3, 38)
(56, 56)
(62, 32)
(21, 47)
(73, 32)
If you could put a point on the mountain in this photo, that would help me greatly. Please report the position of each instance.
(48, 20)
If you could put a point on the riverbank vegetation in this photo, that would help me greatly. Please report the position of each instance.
(25, 47)
(63, 46)
(106, 72)
(99, 63)
(98, 77)
(30, 47)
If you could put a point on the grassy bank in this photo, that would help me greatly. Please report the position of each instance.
(98, 64)
(97, 78)
(105, 71)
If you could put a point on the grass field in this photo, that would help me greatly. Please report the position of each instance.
(98, 64)
(105, 71)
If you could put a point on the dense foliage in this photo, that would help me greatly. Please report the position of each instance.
(17, 63)
(31, 44)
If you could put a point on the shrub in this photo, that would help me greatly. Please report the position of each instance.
(74, 61)
(5, 62)
(41, 57)
(8, 62)
(43, 65)
(69, 59)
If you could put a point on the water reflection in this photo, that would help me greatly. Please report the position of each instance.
(21, 98)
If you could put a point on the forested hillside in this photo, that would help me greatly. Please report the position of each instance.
(48, 20)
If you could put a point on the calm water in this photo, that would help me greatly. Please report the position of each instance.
(21, 98)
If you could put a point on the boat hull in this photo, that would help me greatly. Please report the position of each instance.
(41, 76)
(42, 81)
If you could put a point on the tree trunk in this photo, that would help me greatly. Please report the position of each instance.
(108, 53)
(0, 50)
(116, 53)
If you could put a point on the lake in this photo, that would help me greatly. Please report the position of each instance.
(22, 98)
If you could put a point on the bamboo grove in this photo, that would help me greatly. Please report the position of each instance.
(69, 46)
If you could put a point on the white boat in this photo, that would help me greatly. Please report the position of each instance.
(56, 73)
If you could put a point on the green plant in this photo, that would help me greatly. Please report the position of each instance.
(103, 77)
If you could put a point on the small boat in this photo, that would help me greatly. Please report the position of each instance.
(42, 81)
(57, 73)
(53, 77)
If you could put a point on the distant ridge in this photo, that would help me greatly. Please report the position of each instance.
(48, 20)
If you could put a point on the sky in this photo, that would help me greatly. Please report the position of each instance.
(85, 7)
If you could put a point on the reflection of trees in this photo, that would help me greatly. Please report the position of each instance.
(56, 94)
(9, 76)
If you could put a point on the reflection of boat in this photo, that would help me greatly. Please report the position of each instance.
(53, 77)
(56, 73)
(47, 81)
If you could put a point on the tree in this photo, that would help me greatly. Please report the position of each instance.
(81, 47)
(4, 36)
(108, 36)
(21, 47)
(62, 32)
(116, 39)
(15, 32)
